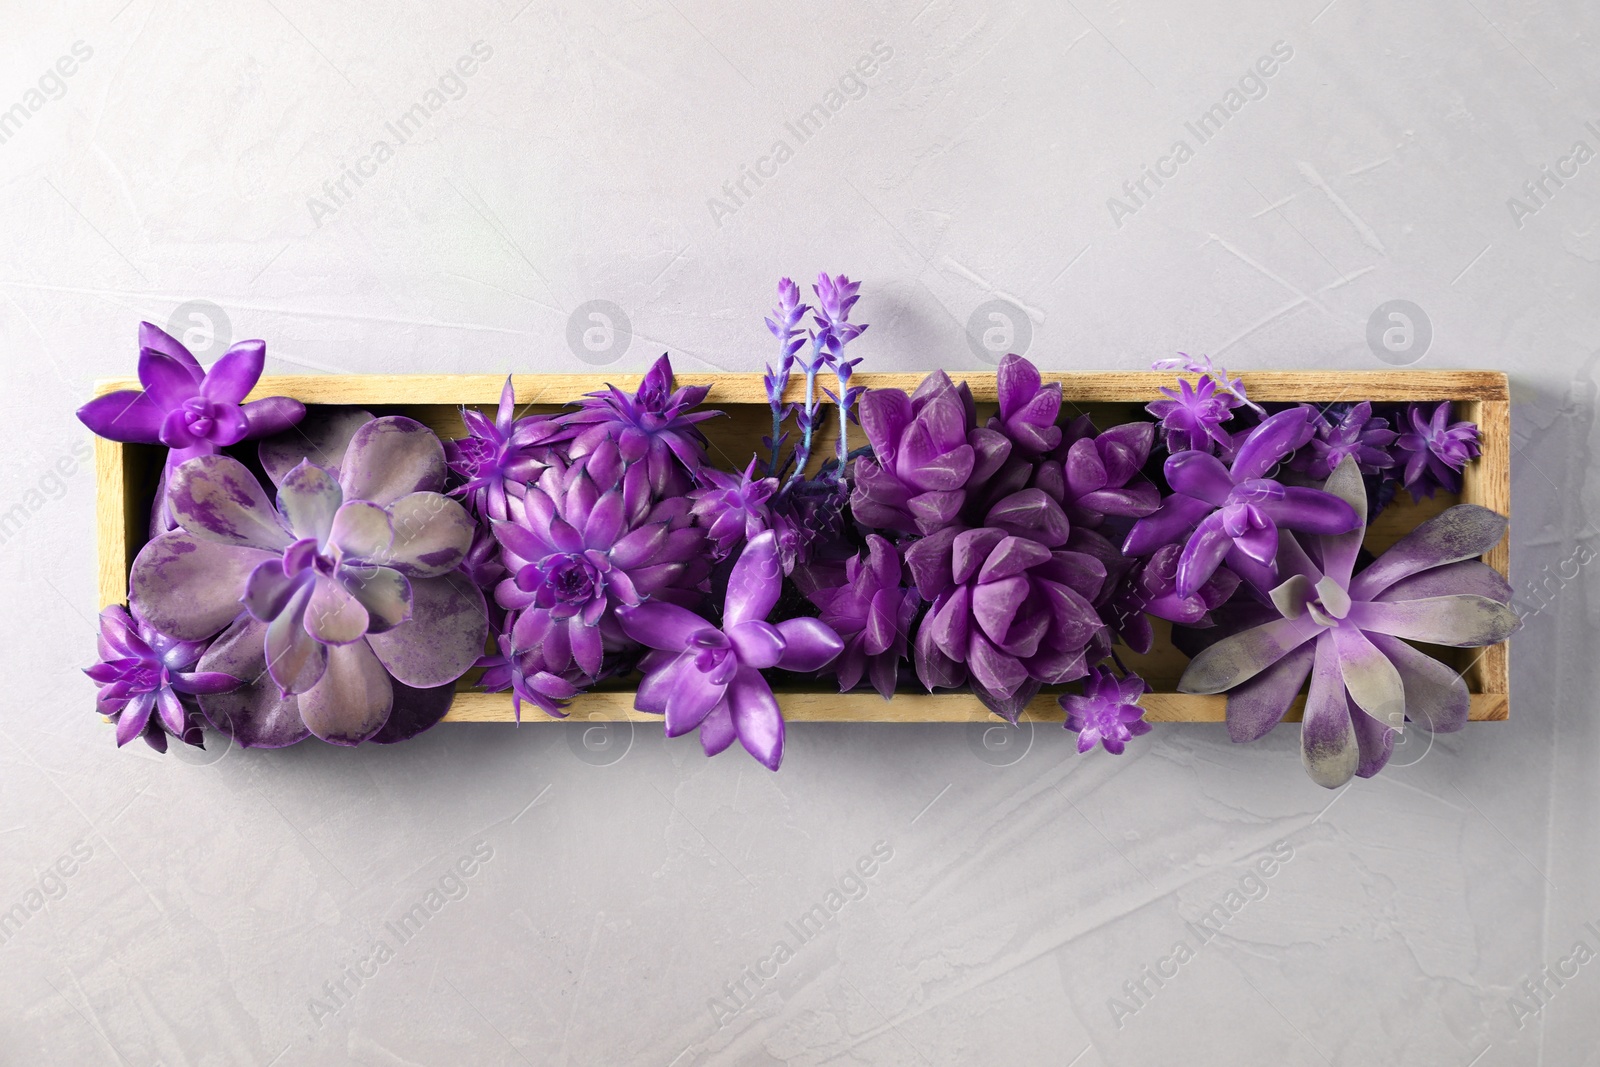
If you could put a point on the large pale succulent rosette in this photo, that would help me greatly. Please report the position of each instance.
(1352, 633)
(342, 607)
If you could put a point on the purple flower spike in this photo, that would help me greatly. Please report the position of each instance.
(500, 456)
(835, 298)
(709, 677)
(1237, 510)
(354, 610)
(1028, 409)
(144, 676)
(1435, 451)
(1351, 634)
(873, 614)
(733, 508)
(1350, 432)
(926, 449)
(583, 540)
(656, 424)
(1108, 712)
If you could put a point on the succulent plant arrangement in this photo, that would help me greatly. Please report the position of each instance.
(331, 573)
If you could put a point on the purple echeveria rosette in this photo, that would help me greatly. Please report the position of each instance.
(709, 676)
(1108, 711)
(190, 410)
(1350, 633)
(657, 425)
(356, 620)
(148, 681)
(869, 608)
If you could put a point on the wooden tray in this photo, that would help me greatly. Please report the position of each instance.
(126, 477)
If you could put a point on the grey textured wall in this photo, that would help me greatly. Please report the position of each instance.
(621, 886)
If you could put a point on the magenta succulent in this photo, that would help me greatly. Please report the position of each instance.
(351, 610)
(1351, 634)
(1097, 474)
(1108, 712)
(926, 449)
(657, 425)
(1150, 587)
(709, 676)
(144, 677)
(1435, 450)
(1235, 512)
(1192, 415)
(525, 676)
(870, 610)
(584, 539)
(500, 456)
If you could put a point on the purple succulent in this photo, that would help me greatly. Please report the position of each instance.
(709, 676)
(1028, 409)
(1351, 431)
(1011, 609)
(1097, 474)
(733, 508)
(1193, 414)
(926, 448)
(870, 610)
(1435, 450)
(1108, 712)
(1234, 513)
(656, 425)
(1351, 634)
(524, 675)
(584, 540)
(353, 611)
(194, 412)
(1150, 587)
(500, 456)
(144, 676)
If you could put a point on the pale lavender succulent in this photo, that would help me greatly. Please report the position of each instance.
(1350, 633)
(709, 676)
(354, 623)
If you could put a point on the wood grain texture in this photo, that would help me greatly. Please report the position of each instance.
(1078, 386)
(126, 478)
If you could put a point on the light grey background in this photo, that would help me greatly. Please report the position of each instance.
(621, 897)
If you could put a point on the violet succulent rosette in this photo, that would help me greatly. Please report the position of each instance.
(873, 613)
(1350, 631)
(147, 681)
(354, 626)
(499, 457)
(657, 425)
(192, 411)
(709, 676)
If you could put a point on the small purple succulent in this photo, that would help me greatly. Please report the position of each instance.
(1108, 712)
(524, 675)
(1095, 475)
(1351, 634)
(1234, 513)
(733, 508)
(1346, 430)
(1150, 587)
(1435, 450)
(1028, 409)
(926, 450)
(708, 676)
(352, 607)
(144, 676)
(194, 412)
(870, 610)
(657, 425)
(1193, 414)
(583, 540)
(500, 456)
